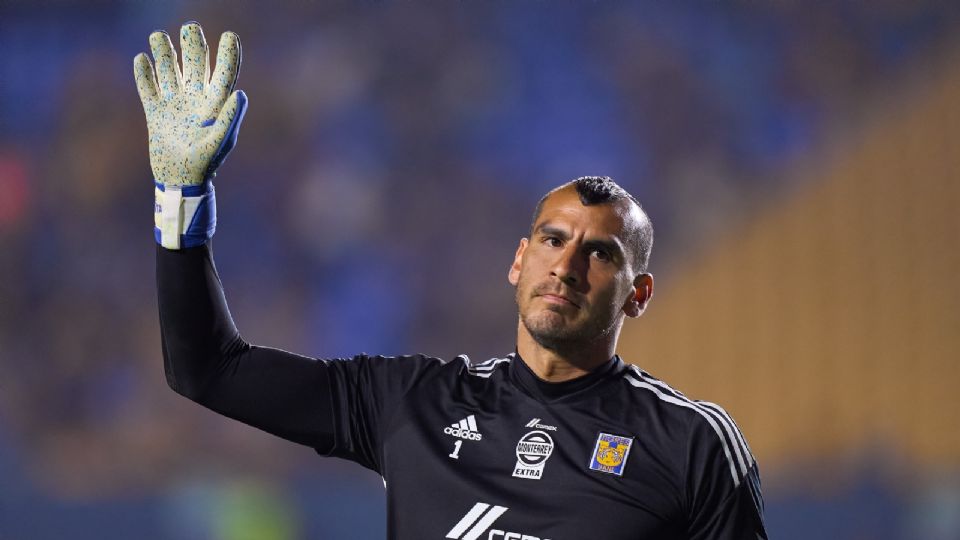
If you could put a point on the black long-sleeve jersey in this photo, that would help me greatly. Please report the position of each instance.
(475, 451)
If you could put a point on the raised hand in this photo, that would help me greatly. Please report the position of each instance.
(192, 120)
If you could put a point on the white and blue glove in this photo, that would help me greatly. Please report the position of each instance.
(192, 120)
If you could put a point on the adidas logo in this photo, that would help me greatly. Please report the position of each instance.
(465, 429)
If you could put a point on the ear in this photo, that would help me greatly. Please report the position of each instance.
(513, 276)
(643, 292)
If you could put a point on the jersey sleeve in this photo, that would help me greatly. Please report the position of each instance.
(723, 480)
(207, 361)
(339, 407)
(365, 392)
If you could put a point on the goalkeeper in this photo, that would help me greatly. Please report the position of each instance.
(559, 439)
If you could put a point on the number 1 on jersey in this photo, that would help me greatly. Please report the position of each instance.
(456, 450)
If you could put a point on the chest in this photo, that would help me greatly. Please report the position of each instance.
(509, 466)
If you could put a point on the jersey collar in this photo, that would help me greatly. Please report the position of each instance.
(545, 391)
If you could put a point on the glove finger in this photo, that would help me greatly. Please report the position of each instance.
(225, 75)
(196, 58)
(146, 82)
(223, 132)
(168, 72)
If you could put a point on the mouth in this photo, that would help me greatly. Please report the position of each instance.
(553, 298)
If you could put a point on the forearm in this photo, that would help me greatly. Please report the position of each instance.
(206, 360)
(197, 332)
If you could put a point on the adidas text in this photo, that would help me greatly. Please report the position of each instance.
(463, 433)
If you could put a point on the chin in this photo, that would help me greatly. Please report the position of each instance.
(550, 329)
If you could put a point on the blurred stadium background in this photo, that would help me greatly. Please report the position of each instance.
(800, 160)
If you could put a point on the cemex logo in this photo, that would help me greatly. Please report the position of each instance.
(479, 519)
(465, 429)
(535, 423)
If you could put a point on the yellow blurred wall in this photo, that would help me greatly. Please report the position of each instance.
(831, 321)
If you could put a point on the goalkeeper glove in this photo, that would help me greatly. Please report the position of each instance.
(192, 121)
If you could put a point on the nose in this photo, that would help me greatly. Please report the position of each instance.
(568, 267)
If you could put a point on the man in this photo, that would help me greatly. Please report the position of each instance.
(559, 440)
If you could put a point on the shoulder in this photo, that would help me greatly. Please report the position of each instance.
(422, 367)
(487, 368)
(658, 394)
(711, 432)
(388, 372)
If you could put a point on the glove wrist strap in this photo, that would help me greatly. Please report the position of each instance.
(184, 216)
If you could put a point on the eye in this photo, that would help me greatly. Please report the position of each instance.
(601, 255)
(552, 241)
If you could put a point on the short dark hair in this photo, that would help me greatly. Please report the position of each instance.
(603, 190)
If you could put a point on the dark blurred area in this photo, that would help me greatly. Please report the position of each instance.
(388, 164)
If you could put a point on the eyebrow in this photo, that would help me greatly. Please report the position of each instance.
(550, 230)
(609, 246)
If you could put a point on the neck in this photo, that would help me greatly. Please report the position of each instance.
(563, 363)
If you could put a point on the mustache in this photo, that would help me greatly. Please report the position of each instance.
(551, 288)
